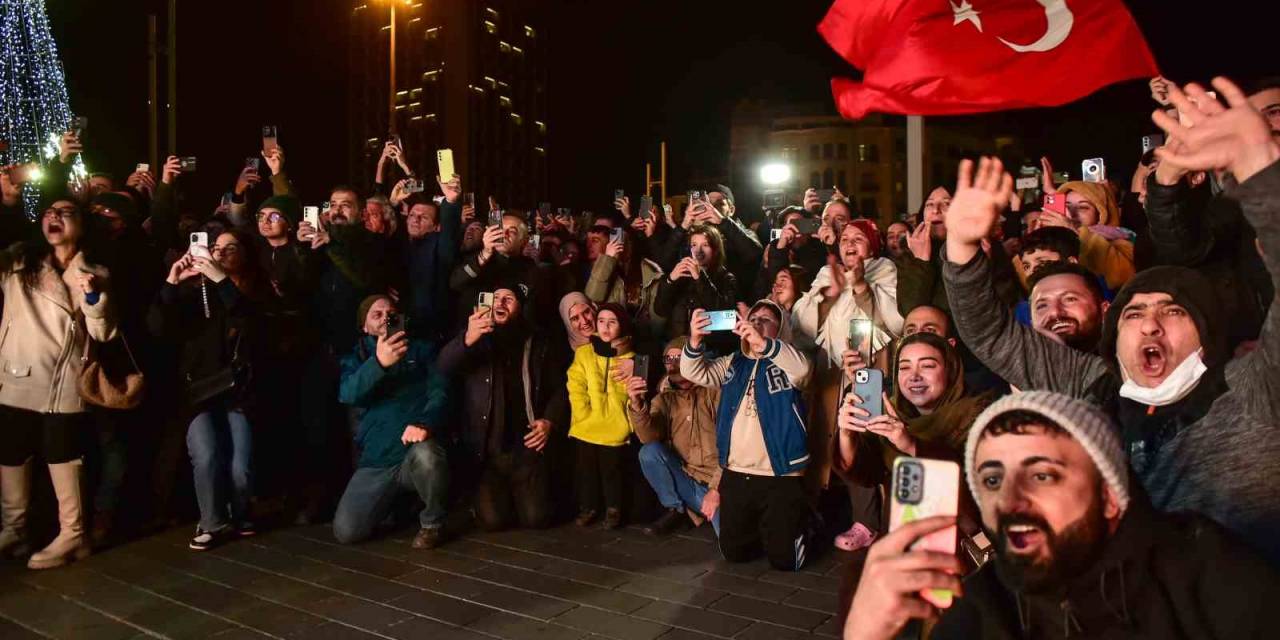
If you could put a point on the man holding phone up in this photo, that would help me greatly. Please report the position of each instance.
(761, 439)
(513, 378)
(404, 398)
(1080, 551)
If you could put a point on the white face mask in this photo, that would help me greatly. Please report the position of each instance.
(1174, 388)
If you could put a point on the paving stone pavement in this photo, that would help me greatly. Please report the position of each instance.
(562, 583)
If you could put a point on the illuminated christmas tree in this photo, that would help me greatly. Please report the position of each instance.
(34, 109)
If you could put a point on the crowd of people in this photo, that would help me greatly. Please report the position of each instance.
(1097, 359)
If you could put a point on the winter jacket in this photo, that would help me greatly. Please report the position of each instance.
(45, 332)
(779, 376)
(351, 267)
(597, 401)
(1214, 451)
(1162, 577)
(831, 333)
(920, 281)
(412, 391)
(542, 370)
(1190, 228)
(675, 301)
(207, 345)
(685, 419)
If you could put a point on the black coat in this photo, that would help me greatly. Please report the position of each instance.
(1164, 577)
(474, 367)
(207, 345)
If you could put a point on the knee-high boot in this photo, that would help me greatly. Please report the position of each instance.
(70, 543)
(15, 493)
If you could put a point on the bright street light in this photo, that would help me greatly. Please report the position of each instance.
(774, 174)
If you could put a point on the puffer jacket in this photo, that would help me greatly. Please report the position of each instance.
(597, 402)
(606, 284)
(1169, 577)
(44, 335)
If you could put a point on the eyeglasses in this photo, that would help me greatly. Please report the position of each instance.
(671, 359)
(61, 212)
(272, 217)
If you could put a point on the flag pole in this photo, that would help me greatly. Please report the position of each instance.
(915, 163)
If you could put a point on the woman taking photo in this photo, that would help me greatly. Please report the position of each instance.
(928, 415)
(208, 306)
(54, 304)
(622, 276)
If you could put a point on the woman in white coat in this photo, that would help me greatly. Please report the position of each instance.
(855, 285)
(54, 303)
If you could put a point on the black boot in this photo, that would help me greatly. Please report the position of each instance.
(670, 520)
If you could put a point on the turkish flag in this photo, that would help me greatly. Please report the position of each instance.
(939, 57)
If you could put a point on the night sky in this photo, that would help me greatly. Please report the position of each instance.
(624, 75)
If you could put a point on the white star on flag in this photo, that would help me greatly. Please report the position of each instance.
(966, 13)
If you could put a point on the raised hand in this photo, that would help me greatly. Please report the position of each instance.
(451, 188)
(1235, 138)
(1046, 176)
(975, 208)
(698, 323)
(391, 349)
(172, 169)
(275, 159)
(920, 242)
(248, 179)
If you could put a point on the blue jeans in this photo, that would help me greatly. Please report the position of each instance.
(676, 490)
(220, 443)
(372, 491)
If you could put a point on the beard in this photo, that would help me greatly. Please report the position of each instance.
(1065, 554)
(1082, 339)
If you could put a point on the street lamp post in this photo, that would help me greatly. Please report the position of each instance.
(391, 86)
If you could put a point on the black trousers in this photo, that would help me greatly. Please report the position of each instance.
(57, 437)
(599, 471)
(764, 512)
(514, 483)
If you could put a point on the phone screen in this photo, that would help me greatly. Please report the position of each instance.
(486, 299)
(646, 202)
(923, 488)
(722, 320)
(641, 368)
(268, 137)
(860, 338)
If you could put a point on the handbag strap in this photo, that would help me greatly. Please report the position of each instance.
(129, 351)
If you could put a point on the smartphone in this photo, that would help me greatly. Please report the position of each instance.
(187, 164)
(666, 208)
(78, 125)
(485, 300)
(227, 199)
(311, 216)
(722, 320)
(868, 384)
(696, 196)
(923, 488)
(199, 246)
(1153, 141)
(269, 137)
(807, 226)
(1094, 170)
(535, 242)
(774, 234)
(1026, 184)
(617, 235)
(413, 185)
(444, 164)
(825, 195)
(564, 212)
(469, 198)
(646, 203)
(1055, 203)
(774, 199)
(495, 217)
(640, 368)
(252, 163)
(395, 324)
(618, 194)
(142, 168)
(860, 338)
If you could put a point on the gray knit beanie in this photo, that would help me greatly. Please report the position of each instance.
(1093, 429)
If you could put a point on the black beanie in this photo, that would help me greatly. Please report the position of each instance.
(1189, 289)
(287, 205)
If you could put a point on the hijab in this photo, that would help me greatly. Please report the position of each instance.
(567, 303)
(948, 426)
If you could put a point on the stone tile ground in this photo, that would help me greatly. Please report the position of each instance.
(563, 583)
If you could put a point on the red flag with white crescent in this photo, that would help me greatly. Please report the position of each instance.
(939, 57)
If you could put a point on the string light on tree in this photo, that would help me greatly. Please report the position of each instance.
(34, 108)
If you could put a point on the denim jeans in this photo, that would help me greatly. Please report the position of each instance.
(372, 491)
(676, 490)
(220, 443)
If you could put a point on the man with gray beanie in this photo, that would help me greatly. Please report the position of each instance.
(1202, 431)
(1080, 552)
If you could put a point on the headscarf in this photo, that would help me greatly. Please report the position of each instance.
(1100, 196)
(946, 428)
(567, 303)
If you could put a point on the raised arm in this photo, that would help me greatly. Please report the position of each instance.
(1012, 351)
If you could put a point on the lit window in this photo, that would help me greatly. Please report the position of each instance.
(516, 118)
(540, 150)
(504, 47)
(503, 85)
(504, 101)
(492, 83)
(476, 89)
(432, 33)
(542, 126)
(490, 27)
(492, 13)
(431, 76)
(528, 32)
(518, 50)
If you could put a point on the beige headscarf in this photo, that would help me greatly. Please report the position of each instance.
(567, 303)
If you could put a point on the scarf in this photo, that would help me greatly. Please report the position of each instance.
(947, 428)
(833, 334)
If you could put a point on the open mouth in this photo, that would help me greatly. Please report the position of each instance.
(1063, 327)
(1153, 360)
(918, 390)
(1023, 538)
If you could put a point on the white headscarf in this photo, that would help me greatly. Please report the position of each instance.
(833, 334)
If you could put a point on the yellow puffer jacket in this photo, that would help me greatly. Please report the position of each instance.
(598, 402)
